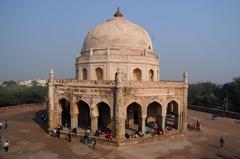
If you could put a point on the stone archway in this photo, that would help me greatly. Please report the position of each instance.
(172, 116)
(134, 113)
(84, 120)
(137, 74)
(154, 113)
(65, 115)
(104, 117)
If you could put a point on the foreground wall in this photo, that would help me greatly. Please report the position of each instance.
(23, 107)
(229, 114)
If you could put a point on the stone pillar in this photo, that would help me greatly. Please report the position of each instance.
(74, 121)
(143, 122)
(185, 102)
(163, 122)
(73, 112)
(94, 124)
(59, 118)
(51, 111)
(119, 110)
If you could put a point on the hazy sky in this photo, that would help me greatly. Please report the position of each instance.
(200, 36)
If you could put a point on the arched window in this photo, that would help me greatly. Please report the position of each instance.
(137, 74)
(151, 75)
(84, 74)
(99, 73)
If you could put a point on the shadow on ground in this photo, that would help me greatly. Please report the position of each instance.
(41, 119)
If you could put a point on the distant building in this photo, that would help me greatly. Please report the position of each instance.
(41, 82)
(27, 83)
(30, 82)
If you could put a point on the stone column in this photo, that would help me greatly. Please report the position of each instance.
(51, 113)
(119, 110)
(74, 121)
(143, 122)
(73, 112)
(94, 124)
(185, 101)
(163, 122)
(59, 118)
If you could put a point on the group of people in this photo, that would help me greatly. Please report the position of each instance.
(106, 133)
(153, 128)
(87, 139)
(195, 126)
(135, 134)
(4, 145)
(56, 131)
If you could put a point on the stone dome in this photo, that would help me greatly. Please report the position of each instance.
(115, 32)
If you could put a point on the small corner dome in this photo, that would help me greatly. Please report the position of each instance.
(119, 32)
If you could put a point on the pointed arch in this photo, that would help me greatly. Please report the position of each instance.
(154, 113)
(99, 73)
(84, 74)
(104, 117)
(137, 74)
(151, 75)
(172, 114)
(65, 112)
(134, 113)
(84, 120)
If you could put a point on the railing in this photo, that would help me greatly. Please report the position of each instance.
(85, 82)
(142, 52)
(154, 84)
(111, 83)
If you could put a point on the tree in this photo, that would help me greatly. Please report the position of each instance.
(10, 83)
(204, 94)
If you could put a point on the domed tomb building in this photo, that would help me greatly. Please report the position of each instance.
(117, 85)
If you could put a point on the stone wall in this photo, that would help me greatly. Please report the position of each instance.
(23, 107)
(219, 112)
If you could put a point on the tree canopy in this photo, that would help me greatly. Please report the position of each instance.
(12, 94)
(216, 96)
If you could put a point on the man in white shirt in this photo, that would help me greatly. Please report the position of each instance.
(6, 145)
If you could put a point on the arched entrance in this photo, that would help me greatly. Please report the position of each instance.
(172, 116)
(66, 117)
(154, 113)
(137, 74)
(104, 118)
(84, 120)
(133, 121)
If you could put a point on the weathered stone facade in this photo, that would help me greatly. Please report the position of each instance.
(117, 84)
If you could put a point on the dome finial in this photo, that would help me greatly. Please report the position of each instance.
(118, 13)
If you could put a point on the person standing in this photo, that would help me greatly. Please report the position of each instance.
(69, 137)
(0, 124)
(221, 142)
(94, 143)
(6, 146)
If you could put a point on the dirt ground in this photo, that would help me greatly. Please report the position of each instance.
(29, 141)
